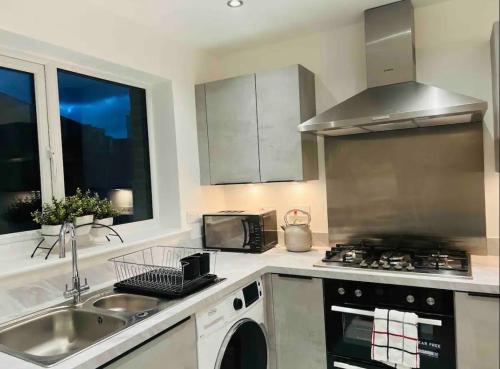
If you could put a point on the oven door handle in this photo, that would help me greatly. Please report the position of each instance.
(342, 309)
(338, 364)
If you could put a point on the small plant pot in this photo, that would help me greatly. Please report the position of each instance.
(83, 225)
(99, 233)
(50, 233)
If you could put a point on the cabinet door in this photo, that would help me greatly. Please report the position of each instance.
(278, 109)
(175, 349)
(477, 331)
(298, 322)
(286, 98)
(232, 130)
(202, 130)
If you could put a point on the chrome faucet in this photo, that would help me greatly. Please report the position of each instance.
(77, 288)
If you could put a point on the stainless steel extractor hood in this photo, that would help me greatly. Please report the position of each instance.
(394, 100)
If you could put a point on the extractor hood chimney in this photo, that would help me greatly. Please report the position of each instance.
(394, 100)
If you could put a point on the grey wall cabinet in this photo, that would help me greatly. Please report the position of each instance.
(233, 142)
(477, 331)
(299, 324)
(247, 128)
(175, 349)
(285, 98)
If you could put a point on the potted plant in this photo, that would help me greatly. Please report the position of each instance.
(104, 213)
(81, 208)
(51, 218)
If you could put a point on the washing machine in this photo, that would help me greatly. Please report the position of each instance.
(232, 333)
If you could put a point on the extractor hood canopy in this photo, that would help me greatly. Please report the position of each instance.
(394, 100)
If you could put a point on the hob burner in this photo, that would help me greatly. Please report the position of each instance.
(431, 260)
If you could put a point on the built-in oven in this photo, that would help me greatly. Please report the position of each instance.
(241, 231)
(349, 308)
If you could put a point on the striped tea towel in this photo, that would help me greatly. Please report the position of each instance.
(395, 339)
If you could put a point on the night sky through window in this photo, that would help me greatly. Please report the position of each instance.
(94, 102)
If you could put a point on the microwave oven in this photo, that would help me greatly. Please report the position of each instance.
(242, 231)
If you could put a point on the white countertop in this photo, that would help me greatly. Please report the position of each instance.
(241, 269)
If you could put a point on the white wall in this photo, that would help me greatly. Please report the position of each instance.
(452, 45)
(83, 27)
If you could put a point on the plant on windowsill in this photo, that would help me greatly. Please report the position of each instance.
(81, 208)
(104, 212)
(51, 218)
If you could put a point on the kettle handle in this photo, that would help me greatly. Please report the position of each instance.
(298, 211)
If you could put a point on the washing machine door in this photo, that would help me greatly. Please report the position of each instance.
(244, 347)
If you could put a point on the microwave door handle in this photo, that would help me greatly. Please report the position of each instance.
(244, 223)
(342, 309)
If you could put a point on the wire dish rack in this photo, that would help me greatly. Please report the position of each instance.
(165, 271)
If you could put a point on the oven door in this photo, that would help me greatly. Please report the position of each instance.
(349, 332)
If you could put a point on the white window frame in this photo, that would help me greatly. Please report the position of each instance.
(38, 72)
(49, 135)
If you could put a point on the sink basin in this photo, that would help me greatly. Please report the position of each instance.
(58, 333)
(124, 302)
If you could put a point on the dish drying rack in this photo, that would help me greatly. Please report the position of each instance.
(165, 271)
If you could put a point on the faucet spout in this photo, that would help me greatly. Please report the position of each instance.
(77, 287)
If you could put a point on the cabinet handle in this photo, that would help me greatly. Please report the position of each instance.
(293, 276)
(482, 294)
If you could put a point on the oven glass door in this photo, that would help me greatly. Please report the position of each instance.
(349, 336)
(226, 232)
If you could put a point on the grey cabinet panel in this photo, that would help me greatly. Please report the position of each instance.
(494, 40)
(299, 328)
(232, 130)
(202, 129)
(477, 331)
(285, 98)
(175, 349)
(247, 128)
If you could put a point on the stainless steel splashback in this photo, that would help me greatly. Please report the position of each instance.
(427, 182)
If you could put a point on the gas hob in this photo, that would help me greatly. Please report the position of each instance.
(433, 260)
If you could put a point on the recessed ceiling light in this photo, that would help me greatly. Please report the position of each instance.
(235, 3)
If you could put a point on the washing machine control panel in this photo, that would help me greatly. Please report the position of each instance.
(230, 308)
(252, 292)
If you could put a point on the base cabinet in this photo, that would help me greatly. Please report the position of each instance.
(299, 324)
(174, 349)
(477, 331)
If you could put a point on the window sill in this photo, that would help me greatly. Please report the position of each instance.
(15, 258)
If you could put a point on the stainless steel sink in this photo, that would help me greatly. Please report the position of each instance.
(49, 336)
(124, 302)
(58, 333)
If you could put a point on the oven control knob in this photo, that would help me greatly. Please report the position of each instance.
(358, 293)
(341, 291)
(410, 299)
(237, 304)
(430, 301)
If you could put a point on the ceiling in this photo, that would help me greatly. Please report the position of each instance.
(211, 24)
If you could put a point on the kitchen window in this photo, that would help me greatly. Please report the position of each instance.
(24, 170)
(105, 142)
(63, 129)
